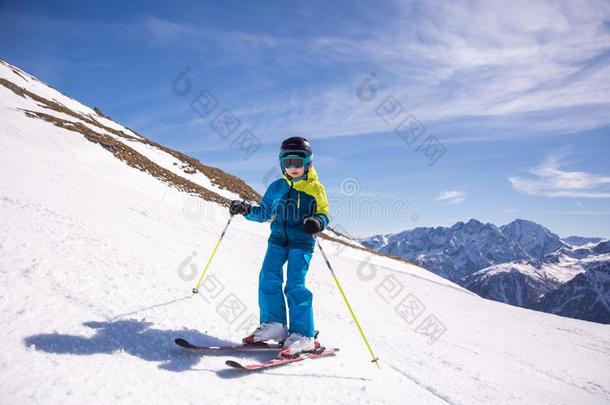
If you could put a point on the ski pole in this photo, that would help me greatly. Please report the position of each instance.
(349, 307)
(205, 270)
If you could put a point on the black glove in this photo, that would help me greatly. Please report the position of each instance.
(239, 207)
(312, 225)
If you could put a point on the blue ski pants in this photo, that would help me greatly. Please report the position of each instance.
(271, 298)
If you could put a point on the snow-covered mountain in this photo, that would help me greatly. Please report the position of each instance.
(536, 240)
(586, 296)
(521, 282)
(516, 264)
(465, 248)
(526, 282)
(104, 232)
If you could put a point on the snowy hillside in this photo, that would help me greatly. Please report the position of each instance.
(102, 234)
(521, 282)
(524, 282)
(586, 296)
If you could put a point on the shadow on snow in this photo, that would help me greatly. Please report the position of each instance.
(137, 338)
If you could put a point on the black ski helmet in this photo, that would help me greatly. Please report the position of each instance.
(297, 144)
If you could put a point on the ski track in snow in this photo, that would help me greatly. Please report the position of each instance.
(430, 389)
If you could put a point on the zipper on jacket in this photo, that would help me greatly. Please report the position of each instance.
(286, 213)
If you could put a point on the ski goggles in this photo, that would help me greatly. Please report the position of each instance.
(290, 160)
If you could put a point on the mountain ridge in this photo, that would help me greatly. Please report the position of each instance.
(518, 263)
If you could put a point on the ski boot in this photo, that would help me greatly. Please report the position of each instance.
(296, 344)
(267, 331)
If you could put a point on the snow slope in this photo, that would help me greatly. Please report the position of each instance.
(97, 260)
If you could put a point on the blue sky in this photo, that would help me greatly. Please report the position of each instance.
(513, 95)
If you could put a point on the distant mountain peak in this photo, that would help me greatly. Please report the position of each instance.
(474, 222)
(535, 239)
(581, 240)
(465, 247)
(471, 225)
(521, 222)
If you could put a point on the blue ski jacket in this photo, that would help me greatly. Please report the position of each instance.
(286, 204)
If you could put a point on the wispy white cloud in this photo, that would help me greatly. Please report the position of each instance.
(442, 60)
(451, 197)
(165, 32)
(550, 180)
(447, 60)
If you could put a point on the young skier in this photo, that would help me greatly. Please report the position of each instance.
(297, 206)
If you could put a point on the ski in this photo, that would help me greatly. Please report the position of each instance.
(260, 346)
(281, 360)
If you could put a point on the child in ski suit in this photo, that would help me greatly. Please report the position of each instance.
(297, 206)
